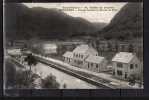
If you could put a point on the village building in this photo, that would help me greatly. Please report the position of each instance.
(81, 52)
(48, 48)
(68, 56)
(14, 51)
(18, 43)
(96, 63)
(126, 64)
(85, 56)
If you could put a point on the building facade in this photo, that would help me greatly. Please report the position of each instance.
(68, 57)
(95, 63)
(126, 64)
(49, 48)
(81, 52)
(85, 56)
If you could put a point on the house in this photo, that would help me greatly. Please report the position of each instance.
(85, 56)
(81, 52)
(96, 63)
(14, 51)
(19, 43)
(48, 48)
(68, 56)
(126, 64)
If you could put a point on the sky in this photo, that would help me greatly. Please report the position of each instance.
(93, 12)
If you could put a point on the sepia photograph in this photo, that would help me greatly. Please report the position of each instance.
(94, 45)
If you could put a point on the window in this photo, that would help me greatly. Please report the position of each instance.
(119, 65)
(136, 65)
(113, 72)
(91, 64)
(131, 66)
(81, 56)
(119, 72)
(96, 65)
(88, 65)
(125, 74)
(76, 55)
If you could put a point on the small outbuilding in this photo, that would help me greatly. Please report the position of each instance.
(67, 56)
(96, 63)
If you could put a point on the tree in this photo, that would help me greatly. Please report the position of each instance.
(25, 79)
(116, 47)
(108, 37)
(121, 38)
(131, 48)
(50, 82)
(109, 46)
(31, 60)
(10, 73)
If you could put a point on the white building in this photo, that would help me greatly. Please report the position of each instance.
(81, 52)
(85, 56)
(96, 63)
(14, 51)
(126, 64)
(68, 56)
(49, 48)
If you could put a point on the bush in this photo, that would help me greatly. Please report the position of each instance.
(50, 82)
(10, 73)
(25, 79)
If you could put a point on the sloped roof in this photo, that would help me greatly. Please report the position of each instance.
(49, 46)
(83, 48)
(124, 57)
(95, 59)
(68, 54)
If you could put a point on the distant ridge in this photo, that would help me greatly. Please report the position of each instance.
(126, 24)
(25, 23)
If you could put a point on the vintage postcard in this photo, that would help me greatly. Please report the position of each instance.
(95, 45)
